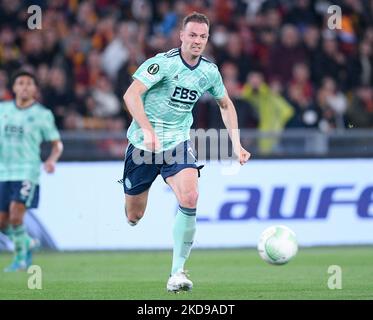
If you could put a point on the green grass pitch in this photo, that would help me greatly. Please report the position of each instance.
(217, 274)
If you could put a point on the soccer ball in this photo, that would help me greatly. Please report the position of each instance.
(277, 245)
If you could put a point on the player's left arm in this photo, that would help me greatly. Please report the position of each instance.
(229, 115)
(56, 152)
(51, 134)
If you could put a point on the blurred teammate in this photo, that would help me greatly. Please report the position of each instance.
(24, 125)
(160, 100)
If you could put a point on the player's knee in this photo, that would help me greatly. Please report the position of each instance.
(189, 199)
(134, 215)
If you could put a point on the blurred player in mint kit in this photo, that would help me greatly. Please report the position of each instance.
(24, 125)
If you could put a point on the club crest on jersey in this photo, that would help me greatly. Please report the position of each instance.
(153, 68)
(202, 82)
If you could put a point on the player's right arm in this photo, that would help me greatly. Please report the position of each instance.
(135, 106)
(146, 76)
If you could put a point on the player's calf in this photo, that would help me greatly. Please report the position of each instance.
(4, 225)
(17, 213)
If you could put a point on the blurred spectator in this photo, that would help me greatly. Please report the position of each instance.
(300, 89)
(233, 52)
(285, 54)
(113, 147)
(33, 48)
(332, 105)
(76, 47)
(106, 102)
(360, 67)
(171, 14)
(348, 34)
(223, 10)
(197, 5)
(87, 17)
(58, 95)
(360, 110)
(10, 59)
(272, 16)
(330, 61)
(9, 13)
(42, 74)
(367, 13)
(7, 37)
(300, 94)
(51, 46)
(142, 11)
(5, 93)
(104, 33)
(219, 37)
(88, 50)
(247, 115)
(262, 53)
(124, 78)
(91, 70)
(252, 9)
(229, 71)
(116, 53)
(273, 110)
(174, 40)
(302, 14)
(311, 44)
(311, 40)
(368, 34)
(157, 43)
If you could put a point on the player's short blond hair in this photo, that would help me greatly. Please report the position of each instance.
(196, 17)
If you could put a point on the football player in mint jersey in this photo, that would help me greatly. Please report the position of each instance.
(24, 125)
(160, 100)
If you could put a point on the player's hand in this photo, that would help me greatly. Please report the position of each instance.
(243, 156)
(49, 166)
(151, 141)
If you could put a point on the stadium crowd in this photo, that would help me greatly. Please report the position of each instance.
(281, 64)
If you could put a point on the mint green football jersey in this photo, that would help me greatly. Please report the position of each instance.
(173, 89)
(21, 133)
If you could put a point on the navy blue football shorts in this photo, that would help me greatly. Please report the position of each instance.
(141, 167)
(25, 192)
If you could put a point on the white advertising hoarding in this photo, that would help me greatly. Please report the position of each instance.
(326, 202)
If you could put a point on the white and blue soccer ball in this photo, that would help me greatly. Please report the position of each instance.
(277, 245)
